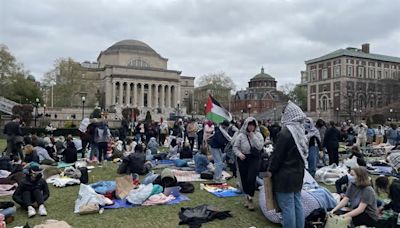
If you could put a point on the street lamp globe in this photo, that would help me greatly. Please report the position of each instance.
(83, 99)
(249, 106)
(37, 100)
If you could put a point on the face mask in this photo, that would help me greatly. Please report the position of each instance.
(352, 179)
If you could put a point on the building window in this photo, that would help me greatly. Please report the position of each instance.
(324, 103)
(360, 72)
(386, 74)
(337, 71)
(186, 83)
(350, 71)
(313, 75)
(379, 74)
(372, 73)
(324, 74)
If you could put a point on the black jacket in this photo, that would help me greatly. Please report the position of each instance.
(218, 140)
(27, 185)
(286, 164)
(273, 132)
(12, 129)
(70, 153)
(332, 137)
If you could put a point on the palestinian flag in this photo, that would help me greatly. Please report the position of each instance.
(215, 112)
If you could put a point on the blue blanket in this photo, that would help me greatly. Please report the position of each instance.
(324, 197)
(102, 187)
(121, 203)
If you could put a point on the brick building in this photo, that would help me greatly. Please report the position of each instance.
(351, 83)
(261, 95)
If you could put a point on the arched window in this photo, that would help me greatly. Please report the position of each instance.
(324, 103)
(138, 63)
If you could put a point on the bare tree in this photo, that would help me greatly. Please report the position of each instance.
(217, 80)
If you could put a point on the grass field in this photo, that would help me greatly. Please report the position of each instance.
(60, 206)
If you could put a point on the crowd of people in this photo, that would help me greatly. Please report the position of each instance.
(299, 146)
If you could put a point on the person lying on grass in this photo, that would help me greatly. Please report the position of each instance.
(32, 191)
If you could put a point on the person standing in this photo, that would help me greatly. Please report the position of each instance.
(314, 145)
(379, 135)
(208, 131)
(287, 164)
(392, 135)
(247, 148)
(361, 141)
(217, 143)
(13, 131)
(331, 143)
(191, 133)
(163, 131)
(102, 138)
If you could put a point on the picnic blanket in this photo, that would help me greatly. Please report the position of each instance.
(60, 181)
(7, 189)
(222, 190)
(62, 165)
(122, 203)
(190, 176)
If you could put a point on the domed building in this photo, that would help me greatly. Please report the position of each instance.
(135, 75)
(260, 96)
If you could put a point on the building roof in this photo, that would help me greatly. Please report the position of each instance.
(132, 46)
(354, 52)
(262, 76)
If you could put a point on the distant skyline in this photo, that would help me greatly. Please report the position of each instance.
(200, 37)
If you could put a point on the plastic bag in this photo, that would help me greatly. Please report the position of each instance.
(139, 195)
(329, 174)
(87, 196)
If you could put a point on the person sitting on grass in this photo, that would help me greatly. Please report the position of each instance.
(186, 152)
(392, 190)
(32, 190)
(153, 145)
(342, 183)
(137, 161)
(30, 154)
(202, 161)
(70, 153)
(44, 157)
(362, 196)
(173, 150)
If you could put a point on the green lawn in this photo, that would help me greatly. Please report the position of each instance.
(60, 206)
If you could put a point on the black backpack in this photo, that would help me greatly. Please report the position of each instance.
(186, 187)
(316, 219)
(85, 175)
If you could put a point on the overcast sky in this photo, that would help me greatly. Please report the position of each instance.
(200, 37)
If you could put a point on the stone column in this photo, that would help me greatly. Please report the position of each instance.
(141, 95)
(121, 88)
(168, 96)
(156, 103)
(135, 95)
(128, 93)
(108, 92)
(114, 92)
(162, 97)
(150, 96)
(178, 96)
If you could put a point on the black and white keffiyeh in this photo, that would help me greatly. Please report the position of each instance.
(293, 118)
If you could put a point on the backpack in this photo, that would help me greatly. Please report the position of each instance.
(316, 219)
(101, 134)
(186, 187)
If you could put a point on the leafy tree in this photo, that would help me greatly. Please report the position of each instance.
(66, 77)
(295, 93)
(217, 80)
(15, 83)
(25, 112)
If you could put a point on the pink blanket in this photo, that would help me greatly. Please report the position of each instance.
(7, 189)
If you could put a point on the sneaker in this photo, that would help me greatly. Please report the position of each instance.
(31, 211)
(246, 202)
(250, 203)
(42, 210)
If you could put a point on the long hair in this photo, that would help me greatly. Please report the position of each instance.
(362, 177)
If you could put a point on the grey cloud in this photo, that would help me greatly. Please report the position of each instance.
(199, 37)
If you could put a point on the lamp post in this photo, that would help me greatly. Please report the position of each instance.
(360, 115)
(249, 108)
(242, 113)
(274, 114)
(36, 109)
(44, 109)
(83, 106)
(337, 115)
(355, 116)
(391, 114)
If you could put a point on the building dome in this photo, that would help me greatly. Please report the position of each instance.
(262, 76)
(132, 46)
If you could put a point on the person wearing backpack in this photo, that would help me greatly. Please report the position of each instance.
(102, 137)
(217, 143)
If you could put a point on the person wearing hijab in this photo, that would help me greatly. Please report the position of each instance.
(247, 148)
(287, 164)
(314, 145)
